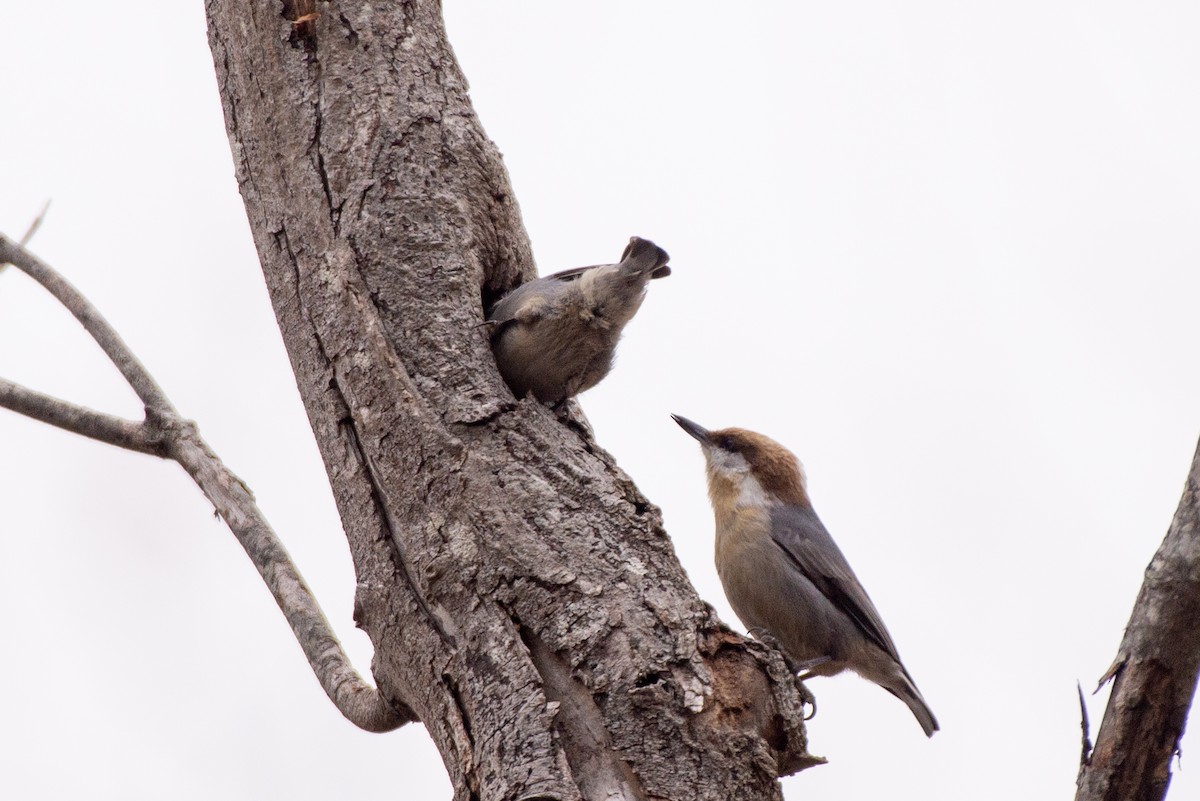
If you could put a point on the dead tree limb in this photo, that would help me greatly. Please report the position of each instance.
(1155, 671)
(165, 434)
(127, 434)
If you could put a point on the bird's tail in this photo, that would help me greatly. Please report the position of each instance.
(643, 256)
(904, 689)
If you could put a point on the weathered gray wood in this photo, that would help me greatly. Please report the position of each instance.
(165, 434)
(521, 594)
(1154, 674)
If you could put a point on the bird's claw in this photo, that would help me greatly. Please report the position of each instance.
(806, 696)
(807, 699)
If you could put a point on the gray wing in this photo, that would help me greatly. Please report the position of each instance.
(640, 255)
(548, 287)
(806, 542)
(574, 272)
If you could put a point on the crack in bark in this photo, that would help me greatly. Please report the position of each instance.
(580, 725)
(351, 34)
(335, 211)
(463, 716)
(385, 514)
(382, 511)
(362, 204)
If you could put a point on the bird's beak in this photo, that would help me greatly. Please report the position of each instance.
(697, 431)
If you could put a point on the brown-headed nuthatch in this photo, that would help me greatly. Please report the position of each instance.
(782, 572)
(556, 336)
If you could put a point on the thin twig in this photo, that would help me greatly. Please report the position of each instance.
(164, 433)
(1085, 754)
(35, 225)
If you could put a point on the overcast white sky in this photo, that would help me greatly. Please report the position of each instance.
(946, 253)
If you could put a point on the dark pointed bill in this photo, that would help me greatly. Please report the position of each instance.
(697, 431)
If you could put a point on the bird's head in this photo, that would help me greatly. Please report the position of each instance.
(745, 468)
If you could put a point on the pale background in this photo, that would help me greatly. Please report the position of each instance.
(946, 253)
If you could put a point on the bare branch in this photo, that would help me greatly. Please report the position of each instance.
(79, 419)
(168, 435)
(1155, 671)
(93, 322)
(233, 501)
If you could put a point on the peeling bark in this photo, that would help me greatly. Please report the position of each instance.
(521, 594)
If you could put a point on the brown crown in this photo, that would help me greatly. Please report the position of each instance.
(775, 467)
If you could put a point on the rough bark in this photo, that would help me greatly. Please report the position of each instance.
(521, 594)
(1154, 674)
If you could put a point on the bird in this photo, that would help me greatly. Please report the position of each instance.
(556, 336)
(784, 575)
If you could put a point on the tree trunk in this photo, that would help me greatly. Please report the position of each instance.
(1154, 674)
(521, 594)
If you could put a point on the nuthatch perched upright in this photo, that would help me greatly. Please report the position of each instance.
(556, 336)
(784, 574)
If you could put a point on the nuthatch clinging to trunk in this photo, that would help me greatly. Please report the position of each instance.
(783, 573)
(556, 336)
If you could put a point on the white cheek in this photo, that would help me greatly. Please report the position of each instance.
(734, 468)
(752, 493)
(728, 464)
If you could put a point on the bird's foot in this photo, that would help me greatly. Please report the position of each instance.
(768, 639)
(806, 697)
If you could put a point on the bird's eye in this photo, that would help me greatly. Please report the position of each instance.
(726, 444)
